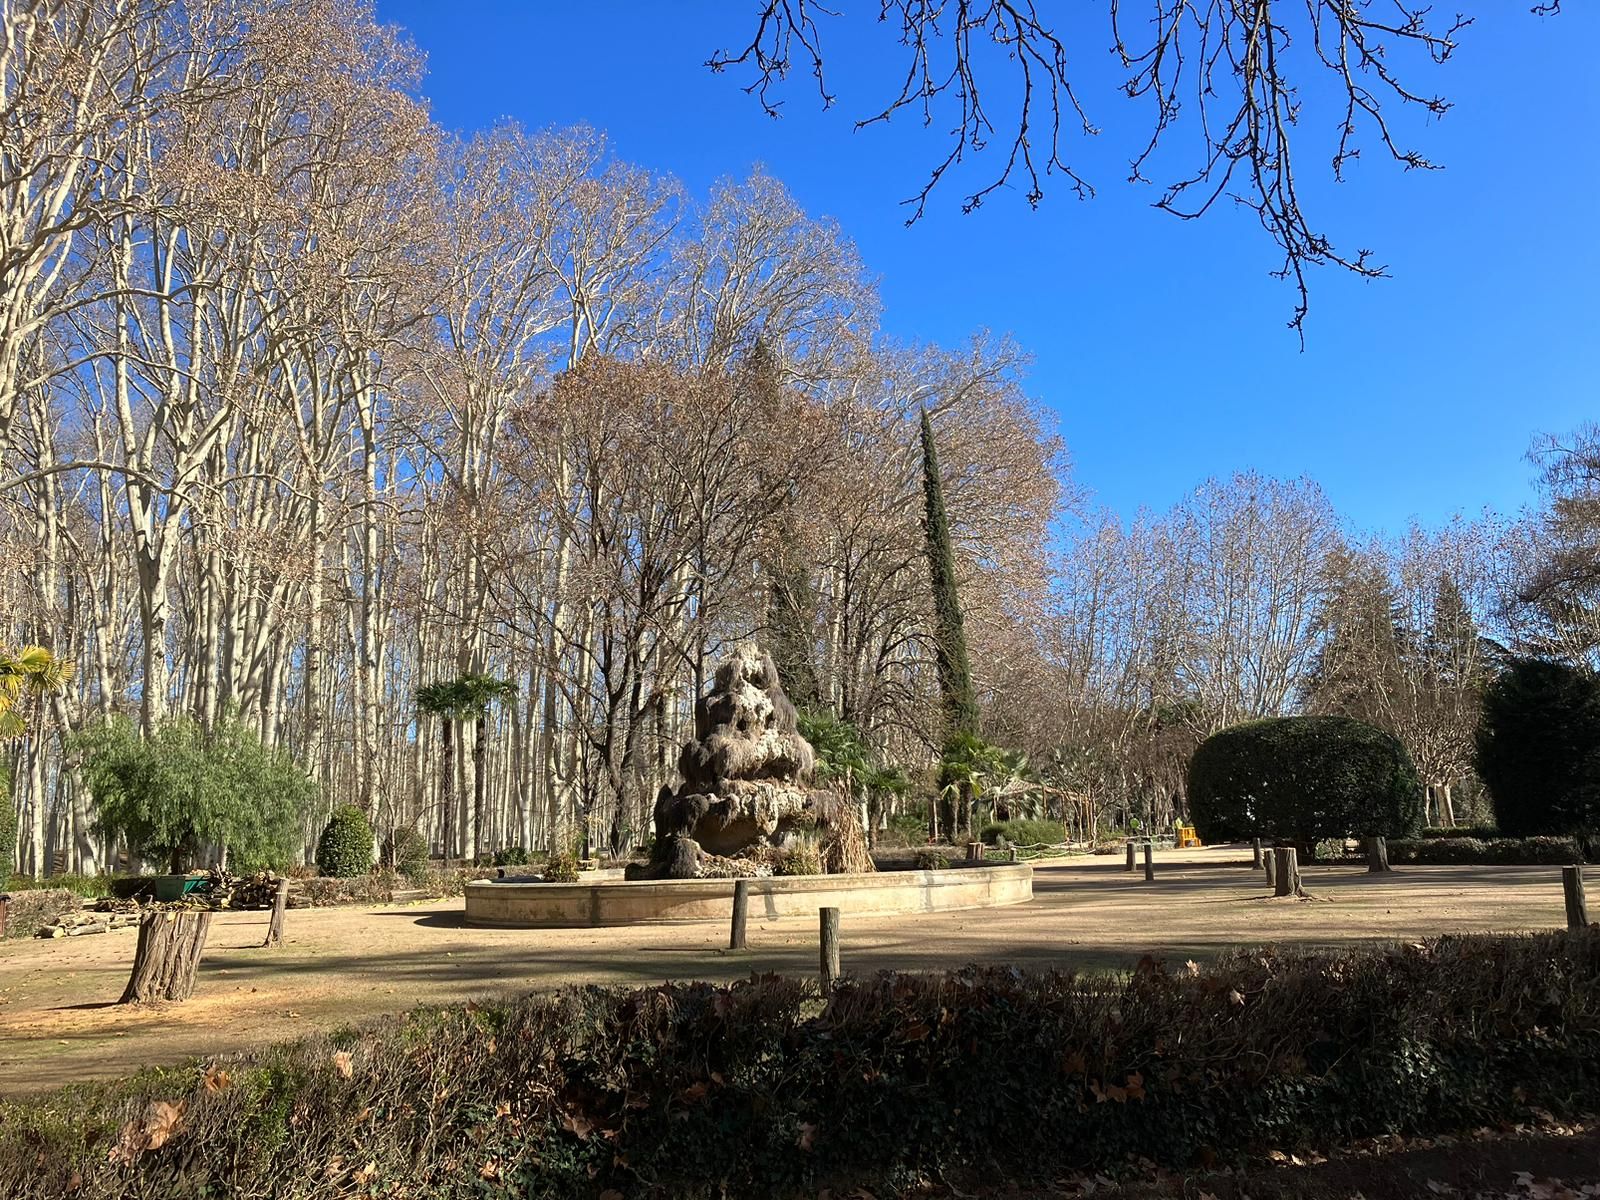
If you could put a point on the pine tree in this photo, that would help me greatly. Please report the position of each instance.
(950, 640)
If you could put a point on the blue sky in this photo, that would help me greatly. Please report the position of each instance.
(1160, 345)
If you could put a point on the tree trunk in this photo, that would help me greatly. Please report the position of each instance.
(1377, 855)
(280, 902)
(167, 956)
(480, 779)
(447, 789)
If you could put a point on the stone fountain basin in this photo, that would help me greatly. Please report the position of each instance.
(516, 905)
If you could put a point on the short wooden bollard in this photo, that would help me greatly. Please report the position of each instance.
(830, 948)
(1271, 861)
(1577, 905)
(1255, 851)
(1287, 872)
(1377, 855)
(1129, 866)
(1149, 863)
(5, 911)
(1011, 854)
(741, 913)
(280, 902)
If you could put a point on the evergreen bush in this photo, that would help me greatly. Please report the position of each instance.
(1303, 780)
(344, 850)
(1538, 748)
(511, 856)
(932, 860)
(763, 1089)
(560, 868)
(1024, 833)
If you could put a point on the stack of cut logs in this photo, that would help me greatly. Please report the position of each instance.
(79, 923)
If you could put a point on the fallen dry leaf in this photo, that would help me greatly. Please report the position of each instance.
(342, 1064)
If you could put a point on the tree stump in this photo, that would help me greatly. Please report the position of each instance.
(168, 954)
(1255, 851)
(1377, 855)
(830, 948)
(1577, 904)
(275, 926)
(5, 911)
(974, 852)
(1287, 872)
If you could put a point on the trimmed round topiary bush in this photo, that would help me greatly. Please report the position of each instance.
(408, 852)
(345, 848)
(1539, 749)
(1303, 780)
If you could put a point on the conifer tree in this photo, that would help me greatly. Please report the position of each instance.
(950, 640)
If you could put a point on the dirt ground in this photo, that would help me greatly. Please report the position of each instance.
(343, 966)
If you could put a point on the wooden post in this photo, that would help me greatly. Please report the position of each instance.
(1577, 905)
(1377, 855)
(830, 948)
(741, 912)
(1271, 861)
(1011, 854)
(1129, 865)
(275, 926)
(1287, 872)
(974, 852)
(167, 956)
(5, 911)
(1149, 863)
(1255, 851)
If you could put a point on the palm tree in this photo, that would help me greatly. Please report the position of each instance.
(28, 672)
(478, 693)
(445, 701)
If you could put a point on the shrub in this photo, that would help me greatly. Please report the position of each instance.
(1539, 748)
(32, 909)
(761, 1089)
(370, 887)
(184, 787)
(561, 868)
(932, 860)
(408, 852)
(1301, 780)
(1025, 833)
(90, 887)
(1510, 852)
(1458, 831)
(511, 856)
(904, 829)
(801, 859)
(345, 848)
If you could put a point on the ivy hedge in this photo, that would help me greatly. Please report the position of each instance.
(1506, 852)
(763, 1089)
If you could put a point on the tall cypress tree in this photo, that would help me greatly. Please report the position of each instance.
(950, 640)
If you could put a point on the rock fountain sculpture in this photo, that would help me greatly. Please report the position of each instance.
(748, 796)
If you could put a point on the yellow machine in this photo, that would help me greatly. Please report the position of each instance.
(1187, 837)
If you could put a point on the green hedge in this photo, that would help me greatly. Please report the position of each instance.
(1024, 833)
(761, 1089)
(1303, 780)
(1458, 831)
(1534, 851)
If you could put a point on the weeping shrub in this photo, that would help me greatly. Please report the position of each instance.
(345, 848)
(408, 852)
